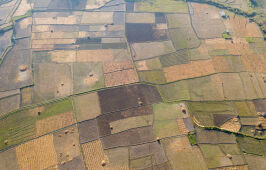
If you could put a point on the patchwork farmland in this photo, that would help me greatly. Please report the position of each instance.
(132, 84)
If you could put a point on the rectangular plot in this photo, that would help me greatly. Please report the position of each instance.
(167, 111)
(86, 102)
(66, 143)
(53, 123)
(150, 64)
(87, 76)
(120, 78)
(52, 80)
(176, 58)
(140, 18)
(127, 97)
(175, 91)
(8, 159)
(109, 67)
(88, 130)
(118, 158)
(105, 121)
(97, 18)
(130, 137)
(37, 154)
(9, 103)
(191, 70)
(214, 137)
(155, 77)
(76, 162)
(151, 49)
(166, 128)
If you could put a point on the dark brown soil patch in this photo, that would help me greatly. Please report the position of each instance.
(127, 97)
(220, 119)
(260, 105)
(88, 131)
(105, 120)
(76, 163)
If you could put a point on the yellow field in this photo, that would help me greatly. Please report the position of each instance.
(37, 154)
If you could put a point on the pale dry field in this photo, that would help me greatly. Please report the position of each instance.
(148, 18)
(254, 63)
(52, 41)
(69, 20)
(53, 123)
(231, 125)
(94, 155)
(37, 154)
(97, 18)
(191, 70)
(181, 126)
(109, 67)
(54, 35)
(93, 4)
(95, 55)
(23, 8)
(25, 23)
(63, 56)
(120, 78)
(220, 64)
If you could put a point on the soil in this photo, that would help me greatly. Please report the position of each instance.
(127, 97)
(120, 78)
(109, 67)
(88, 131)
(53, 123)
(75, 163)
(220, 119)
(105, 120)
(260, 105)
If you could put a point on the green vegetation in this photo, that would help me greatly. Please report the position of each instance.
(167, 111)
(250, 40)
(156, 77)
(192, 138)
(226, 35)
(56, 108)
(252, 145)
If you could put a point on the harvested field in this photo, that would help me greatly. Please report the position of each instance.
(214, 137)
(63, 56)
(52, 35)
(260, 105)
(26, 96)
(87, 76)
(175, 91)
(249, 121)
(130, 123)
(8, 160)
(245, 108)
(150, 64)
(214, 156)
(87, 106)
(97, 18)
(88, 131)
(53, 123)
(191, 70)
(52, 80)
(94, 155)
(233, 87)
(203, 111)
(227, 64)
(255, 162)
(37, 154)
(23, 8)
(182, 127)
(105, 55)
(105, 121)
(75, 163)
(161, 6)
(109, 67)
(120, 78)
(251, 85)
(151, 49)
(67, 4)
(23, 28)
(231, 125)
(242, 27)
(167, 111)
(118, 158)
(253, 146)
(155, 77)
(220, 119)
(254, 63)
(143, 150)
(203, 13)
(144, 162)
(205, 88)
(200, 53)
(66, 144)
(9, 103)
(176, 58)
(182, 155)
(140, 18)
(126, 97)
(129, 137)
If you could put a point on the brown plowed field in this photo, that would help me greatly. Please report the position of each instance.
(120, 78)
